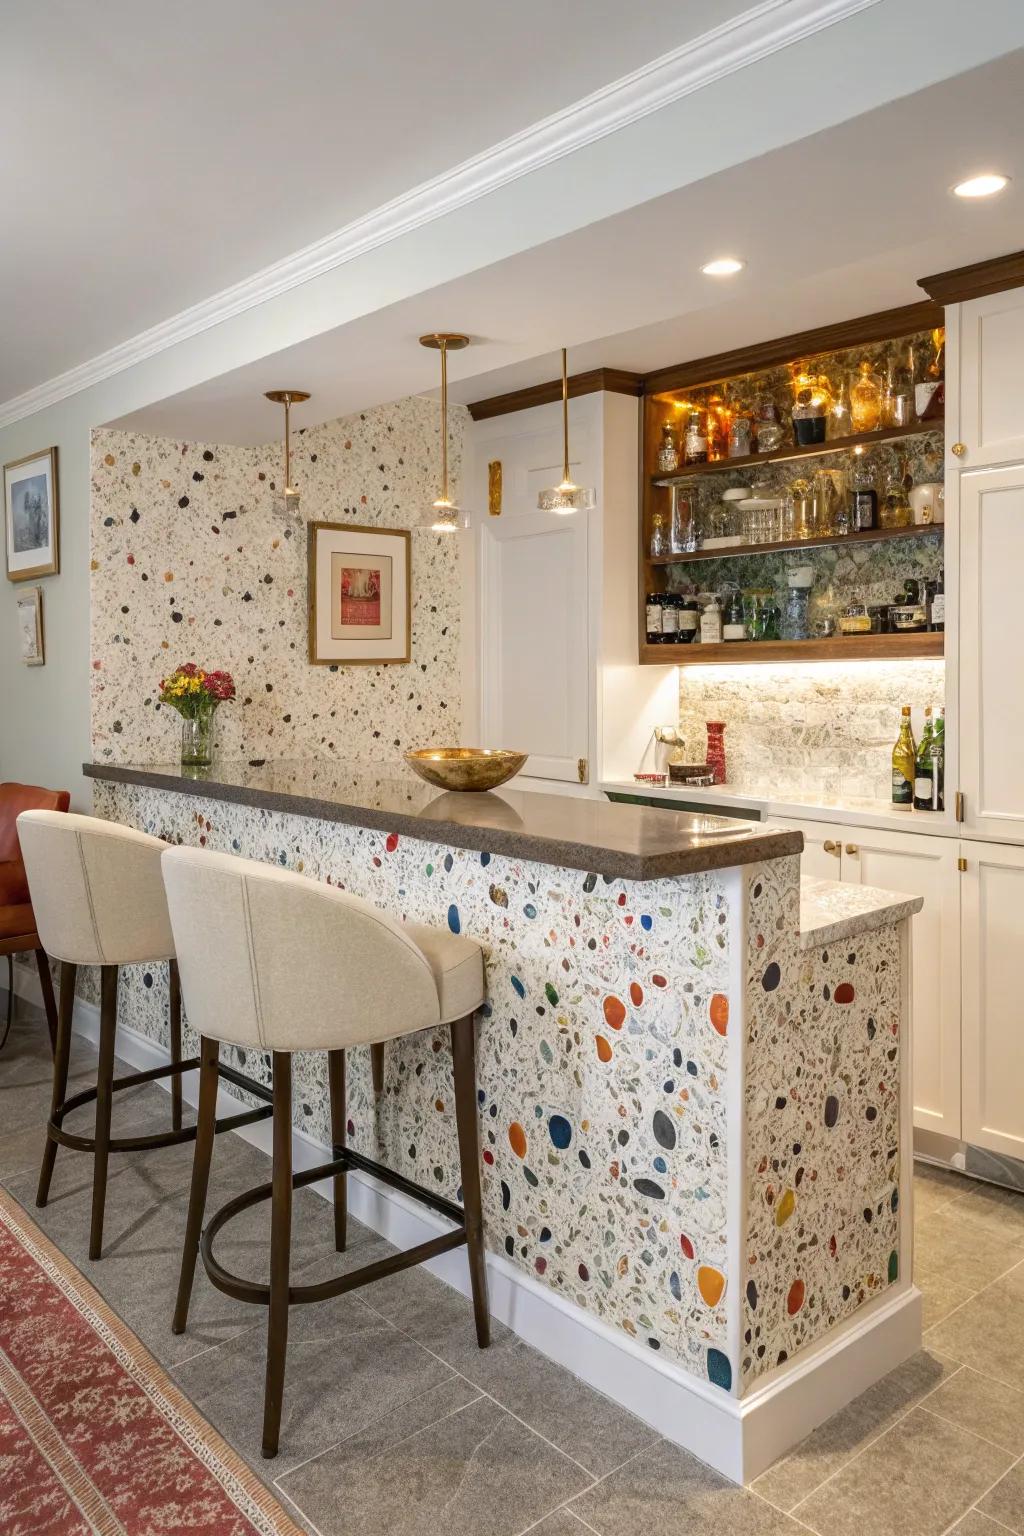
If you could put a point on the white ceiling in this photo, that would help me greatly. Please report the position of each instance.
(838, 224)
(154, 153)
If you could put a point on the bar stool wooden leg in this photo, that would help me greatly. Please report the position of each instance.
(61, 1061)
(174, 986)
(377, 1068)
(463, 1054)
(336, 1083)
(104, 1104)
(280, 1252)
(209, 1059)
(49, 1001)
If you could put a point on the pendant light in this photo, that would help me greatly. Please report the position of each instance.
(288, 398)
(567, 497)
(444, 516)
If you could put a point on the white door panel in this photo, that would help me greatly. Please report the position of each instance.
(993, 1015)
(992, 379)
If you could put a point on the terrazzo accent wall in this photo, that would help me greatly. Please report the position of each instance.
(193, 559)
(818, 728)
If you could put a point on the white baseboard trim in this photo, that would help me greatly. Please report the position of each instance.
(739, 1437)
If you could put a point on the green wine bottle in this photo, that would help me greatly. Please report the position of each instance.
(924, 769)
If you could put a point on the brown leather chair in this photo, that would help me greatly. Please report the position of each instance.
(17, 924)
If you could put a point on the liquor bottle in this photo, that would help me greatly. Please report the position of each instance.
(923, 769)
(659, 537)
(734, 625)
(898, 401)
(863, 496)
(654, 618)
(939, 763)
(866, 399)
(695, 446)
(711, 623)
(668, 449)
(904, 761)
(937, 608)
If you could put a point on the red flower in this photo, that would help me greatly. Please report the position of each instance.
(220, 686)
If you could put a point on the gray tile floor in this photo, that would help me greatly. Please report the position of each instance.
(396, 1423)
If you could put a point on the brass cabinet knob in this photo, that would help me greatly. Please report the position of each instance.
(831, 847)
(852, 848)
(959, 449)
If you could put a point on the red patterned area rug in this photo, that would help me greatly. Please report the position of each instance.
(95, 1439)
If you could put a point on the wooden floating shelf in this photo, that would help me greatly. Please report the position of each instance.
(759, 652)
(738, 551)
(793, 451)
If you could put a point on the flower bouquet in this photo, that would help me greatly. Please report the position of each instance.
(196, 695)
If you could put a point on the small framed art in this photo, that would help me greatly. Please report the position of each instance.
(31, 516)
(360, 595)
(30, 627)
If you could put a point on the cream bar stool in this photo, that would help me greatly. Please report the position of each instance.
(98, 896)
(277, 962)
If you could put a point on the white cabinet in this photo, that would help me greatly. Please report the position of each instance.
(925, 866)
(993, 1010)
(822, 847)
(915, 864)
(991, 641)
(990, 379)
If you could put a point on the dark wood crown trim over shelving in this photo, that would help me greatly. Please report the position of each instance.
(977, 280)
(615, 381)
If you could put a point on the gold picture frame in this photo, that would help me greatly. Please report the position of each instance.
(31, 638)
(360, 579)
(32, 516)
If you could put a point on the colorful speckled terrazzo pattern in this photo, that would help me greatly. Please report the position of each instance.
(604, 1081)
(601, 1060)
(821, 1095)
(192, 560)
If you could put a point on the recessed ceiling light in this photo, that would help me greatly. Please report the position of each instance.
(722, 266)
(981, 186)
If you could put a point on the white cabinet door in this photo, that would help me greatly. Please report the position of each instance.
(991, 380)
(991, 636)
(822, 843)
(534, 615)
(919, 865)
(993, 1009)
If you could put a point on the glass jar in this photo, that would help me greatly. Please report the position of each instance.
(898, 401)
(808, 419)
(716, 749)
(668, 449)
(855, 620)
(740, 437)
(769, 427)
(795, 625)
(681, 530)
(866, 399)
(197, 739)
(895, 510)
(840, 423)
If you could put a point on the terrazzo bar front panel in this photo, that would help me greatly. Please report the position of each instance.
(674, 1096)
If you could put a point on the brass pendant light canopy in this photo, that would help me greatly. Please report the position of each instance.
(567, 497)
(444, 516)
(288, 398)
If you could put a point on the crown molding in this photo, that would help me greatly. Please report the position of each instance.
(615, 381)
(974, 282)
(746, 39)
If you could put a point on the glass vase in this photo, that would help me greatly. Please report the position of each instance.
(197, 739)
(716, 749)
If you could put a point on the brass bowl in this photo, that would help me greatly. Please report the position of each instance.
(465, 768)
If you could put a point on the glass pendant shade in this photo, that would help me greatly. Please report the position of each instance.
(568, 496)
(287, 504)
(445, 515)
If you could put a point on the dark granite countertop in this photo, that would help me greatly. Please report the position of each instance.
(630, 842)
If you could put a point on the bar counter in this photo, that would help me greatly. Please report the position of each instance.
(694, 1103)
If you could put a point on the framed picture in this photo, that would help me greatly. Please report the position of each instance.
(360, 595)
(31, 516)
(30, 627)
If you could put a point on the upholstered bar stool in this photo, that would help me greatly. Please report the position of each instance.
(277, 962)
(18, 933)
(98, 896)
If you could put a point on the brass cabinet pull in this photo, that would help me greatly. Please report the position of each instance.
(852, 848)
(831, 847)
(959, 449)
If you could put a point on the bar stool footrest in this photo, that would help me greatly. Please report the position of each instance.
(345, 1161)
